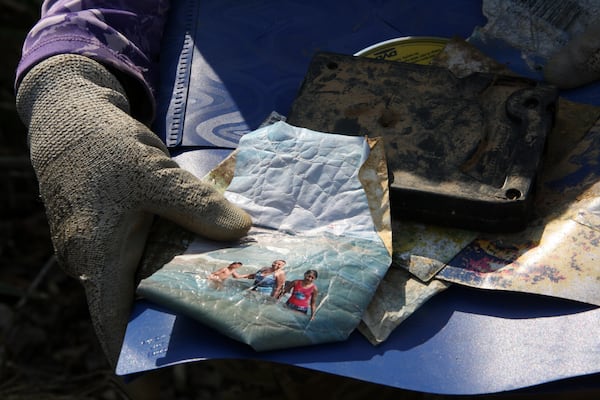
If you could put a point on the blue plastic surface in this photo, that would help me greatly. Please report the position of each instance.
(463, 341)
(242, 60)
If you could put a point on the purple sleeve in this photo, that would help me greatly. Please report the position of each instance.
(123, 35)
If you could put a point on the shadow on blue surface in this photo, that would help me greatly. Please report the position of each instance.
(463, 341)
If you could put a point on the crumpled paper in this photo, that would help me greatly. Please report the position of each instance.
(398, 296)
(536, 28)
(318, 201)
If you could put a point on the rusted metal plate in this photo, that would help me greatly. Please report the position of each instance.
(558, 254)
(461, 151)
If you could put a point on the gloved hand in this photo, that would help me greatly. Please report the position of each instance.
(103, 176)
(578, 62)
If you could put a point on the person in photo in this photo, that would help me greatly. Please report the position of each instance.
(269, 280)
(304, 293)
(225, 272)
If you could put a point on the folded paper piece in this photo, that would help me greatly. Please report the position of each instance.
(423, 250)
(318, 202)
(397, 297)
(420, 251)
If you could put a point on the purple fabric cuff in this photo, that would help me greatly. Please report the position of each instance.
(122, 35)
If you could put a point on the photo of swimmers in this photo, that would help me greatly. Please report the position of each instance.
(304, 293)
(271, 281)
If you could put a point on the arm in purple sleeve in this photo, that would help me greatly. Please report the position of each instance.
(84, 84)
(122, 35)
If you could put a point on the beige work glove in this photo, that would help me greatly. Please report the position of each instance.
(578, 62)
(103, 176)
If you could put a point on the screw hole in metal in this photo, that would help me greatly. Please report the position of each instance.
(532, 102)
(513, 194)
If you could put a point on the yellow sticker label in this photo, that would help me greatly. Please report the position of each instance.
(416, 50)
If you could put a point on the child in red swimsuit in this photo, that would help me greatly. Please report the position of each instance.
(304, 293)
